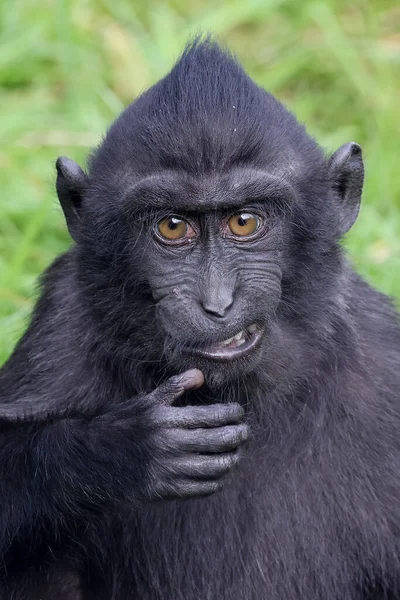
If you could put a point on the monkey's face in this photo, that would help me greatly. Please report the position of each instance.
(215, 277)
(208, 222)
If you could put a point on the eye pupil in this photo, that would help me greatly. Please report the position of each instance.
(241, 221)
(173, 223)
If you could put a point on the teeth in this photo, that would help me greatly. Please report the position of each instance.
(252, 328)
(226, 342)
(239, 339)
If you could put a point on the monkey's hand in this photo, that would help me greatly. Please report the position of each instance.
(192, 447)
(143, 449)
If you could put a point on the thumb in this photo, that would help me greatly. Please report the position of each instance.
(175, 386)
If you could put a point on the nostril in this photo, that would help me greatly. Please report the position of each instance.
(218, 308)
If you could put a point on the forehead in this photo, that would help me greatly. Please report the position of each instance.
(180, 191)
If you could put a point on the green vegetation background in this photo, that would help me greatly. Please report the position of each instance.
(68, 67)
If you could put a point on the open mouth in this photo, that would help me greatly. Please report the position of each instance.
(234, 347)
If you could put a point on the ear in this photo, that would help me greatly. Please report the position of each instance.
(71, 184)
(346, 173)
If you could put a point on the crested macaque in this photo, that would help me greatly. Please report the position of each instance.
(205, 405)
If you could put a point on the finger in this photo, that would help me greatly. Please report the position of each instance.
(205, 466)
(190, 417)
(219, 439)
(187, 488)
(175, 386)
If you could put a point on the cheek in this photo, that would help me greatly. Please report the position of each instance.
(170, 284)
(179, 315)
(261, 282)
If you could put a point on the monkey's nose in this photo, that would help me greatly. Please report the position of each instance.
(218, 307)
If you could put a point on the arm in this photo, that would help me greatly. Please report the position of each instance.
(56, 470)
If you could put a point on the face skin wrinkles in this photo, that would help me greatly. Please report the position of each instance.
(219, 284)
(211, 267)
(231, 190)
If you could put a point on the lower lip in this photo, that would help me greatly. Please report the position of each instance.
(222, 353)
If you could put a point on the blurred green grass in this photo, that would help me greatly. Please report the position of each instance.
(67, 67)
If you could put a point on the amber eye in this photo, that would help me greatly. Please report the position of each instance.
(244, 224)
(175, 229)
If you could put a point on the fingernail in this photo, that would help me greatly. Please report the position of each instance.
(193, 377)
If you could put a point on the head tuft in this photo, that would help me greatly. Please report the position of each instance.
(206, 115)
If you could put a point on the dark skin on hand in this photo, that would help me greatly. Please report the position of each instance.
(205, 405)
(193, 431)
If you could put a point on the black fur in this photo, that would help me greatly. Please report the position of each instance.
(312, 509)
